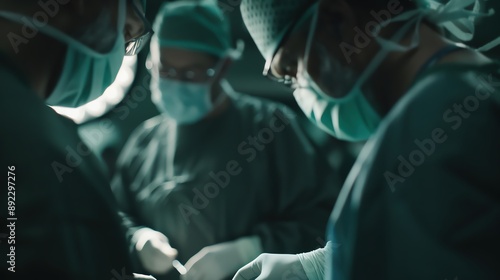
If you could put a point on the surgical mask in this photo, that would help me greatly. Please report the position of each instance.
(183, 102)
(86, 73)
(351, 117)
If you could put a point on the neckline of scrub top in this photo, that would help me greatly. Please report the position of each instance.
(8, 64)
(438, 56)
(491, 67)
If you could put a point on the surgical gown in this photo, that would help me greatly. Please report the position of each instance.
(423, 199)
(277, 186)
(66, 223)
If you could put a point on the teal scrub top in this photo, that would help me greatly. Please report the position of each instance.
(249, 171)
(67, 224)
(423, 199)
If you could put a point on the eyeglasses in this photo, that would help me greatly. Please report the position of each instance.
(287, 78)
(188, 75)
(135, 45)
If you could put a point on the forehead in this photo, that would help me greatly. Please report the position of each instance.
(178, 57)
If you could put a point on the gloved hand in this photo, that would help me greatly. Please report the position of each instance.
(271, 267)
(143, 277)
(154, 251)
(221, 260)
(306, 266)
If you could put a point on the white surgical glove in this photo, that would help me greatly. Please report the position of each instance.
(307, 266)
(221, 260)
(143, 277)
(271, 267)
(314, 262)
(154, 251)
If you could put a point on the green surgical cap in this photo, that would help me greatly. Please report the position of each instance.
(193, 25)
(269, 21)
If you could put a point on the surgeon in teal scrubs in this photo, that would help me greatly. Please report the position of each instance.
(63, 219)
(219, 176)
(423, 199)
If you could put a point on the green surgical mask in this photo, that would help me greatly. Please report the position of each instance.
(351, 118)
(86, 73)
(183, 102)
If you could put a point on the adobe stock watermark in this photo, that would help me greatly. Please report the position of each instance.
(249, 149)
(75, 154)
(454, 117)
(31, 27)
(364, 37)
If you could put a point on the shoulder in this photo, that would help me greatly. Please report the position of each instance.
(275, 120)
(262, 109)
(454, 83)
(449, 96)
(445, 127)
(454, 114)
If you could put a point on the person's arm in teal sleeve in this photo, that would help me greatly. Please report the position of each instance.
(120, 185)
(304, 193)
(121, 194)
(150, 250)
